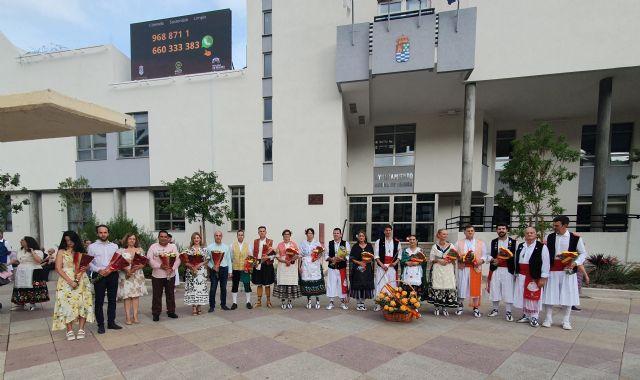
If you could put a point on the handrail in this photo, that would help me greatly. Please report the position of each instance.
(603, 223)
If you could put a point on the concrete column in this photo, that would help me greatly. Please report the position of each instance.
(603, 133)
(467, 152)
(117, 202)
(34, 215)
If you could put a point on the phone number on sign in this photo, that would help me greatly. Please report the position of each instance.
(174, 48)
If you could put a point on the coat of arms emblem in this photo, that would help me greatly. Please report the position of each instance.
(402, 49)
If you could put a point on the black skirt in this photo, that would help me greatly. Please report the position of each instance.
(264, 276)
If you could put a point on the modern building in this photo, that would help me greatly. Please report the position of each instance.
(357, 114)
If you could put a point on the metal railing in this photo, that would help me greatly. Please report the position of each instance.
(595, 223)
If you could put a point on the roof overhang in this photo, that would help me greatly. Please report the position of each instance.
(49, 114)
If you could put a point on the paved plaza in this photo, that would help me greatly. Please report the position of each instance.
(320, 344)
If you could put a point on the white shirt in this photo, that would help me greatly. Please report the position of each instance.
(388, 248)
(336, 247)
(562, 244)
(470, 245)
(527, 251)
(103, 252)
(260, 245)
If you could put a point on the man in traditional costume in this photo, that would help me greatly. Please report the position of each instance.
(470, 273)
(337, 255)
(388, 253)
(562, 286)
(501, 271)
(532, 271)
(263, 275)
(239, 253)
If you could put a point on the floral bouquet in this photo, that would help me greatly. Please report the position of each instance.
(568, 257)
(399, 305)
(469, 258)
(168, 258)
(117, 263)
(139, 259)
(452, 255)
(419, 258)
(193, 259)
(316, 253)
(367, 257)
(342, 252)
(81, 262)
(504, 253)
(291, 255)
(249, 262)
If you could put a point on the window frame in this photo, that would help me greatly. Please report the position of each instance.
(174, 220)
(268, 151)
(74, 224)
(267, 104)
(238, 199)
(485, 144)
(588, 160)
(379, 158)
(134, 147)
(265, 23)
(264, 65)
(92, 148)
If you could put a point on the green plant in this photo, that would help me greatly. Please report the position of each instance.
(600, 261)
(10, 183)
(533, 176)
(88, 229)
(72, 193)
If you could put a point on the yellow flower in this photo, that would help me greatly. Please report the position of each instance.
(403, 308)
(386, 307)
(392, 303)
(398, 295)
(404, 293)
(404, 301)
(398, 289)
(417, 304)
(413, 300)
(387, 298)
(381, 294)
(413, 293)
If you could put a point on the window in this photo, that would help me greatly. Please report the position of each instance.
(6, 221)
(414, 5)
(92, 147)
(408, 213)
(165, 220)
(237, 207)
(267, 108)
(620, 144)
(395, 145)
(501, 215)
(477, 213)
(78, 214)
(268, 149)
(390, 7)
(504, 147)
(266, 23)
(485, 143)
(616, 218)
(135, 143)
(267, 65)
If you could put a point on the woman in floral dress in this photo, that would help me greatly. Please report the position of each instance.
(196, 293)
(131, 285)
(311, 276)
(74, 299)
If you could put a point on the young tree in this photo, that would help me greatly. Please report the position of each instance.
(10, 183)
(533, 176)
(72, 193)
(200, 198)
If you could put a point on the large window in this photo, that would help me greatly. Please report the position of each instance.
(92, 147)
(389, 7)
(620, 144)
(408, 213)
(78, 214)
(504, 147)
(165, 220)
(414, 5)
(616, 217)
(477, 213)
(6, 221)
(135, 143)
(268, 149)
(237, 207)
(266, 65)
(266, 23)
(395, 145)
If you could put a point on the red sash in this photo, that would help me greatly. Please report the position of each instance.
(503, 264)
(557, 266)
(528, 294)
(343, 281)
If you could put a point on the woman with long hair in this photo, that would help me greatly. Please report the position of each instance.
(74, 299)
(196, 293)
(131, 284)
(30, 286)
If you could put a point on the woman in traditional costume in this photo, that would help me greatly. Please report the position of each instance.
(311, 277)
(287, 287)
(442, 292)
(361, 275)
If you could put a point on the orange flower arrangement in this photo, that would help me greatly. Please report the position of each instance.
(398, 304)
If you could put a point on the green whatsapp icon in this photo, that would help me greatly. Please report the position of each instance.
(207, 41)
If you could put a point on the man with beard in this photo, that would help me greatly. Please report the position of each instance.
(501, 271)
(103, 251)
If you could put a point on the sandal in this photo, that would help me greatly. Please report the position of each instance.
(80, 334)
(194, 311)
(71, 335)
(127, 322)
(198, 310)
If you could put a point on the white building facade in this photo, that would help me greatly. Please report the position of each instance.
(328, 125)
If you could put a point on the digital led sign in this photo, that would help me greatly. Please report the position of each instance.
(191, 44)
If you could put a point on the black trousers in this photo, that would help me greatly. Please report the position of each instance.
(110, 285)
(235, 281)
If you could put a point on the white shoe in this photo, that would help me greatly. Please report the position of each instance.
(330, 306)
(493, 313)
(71, 335)
(509, 316)
(344, 306)
(459, 311)
(547, 323)
(377, 308)
(317, 304)
(445, 312)
(436, 312)
(567, 326)
(308, 305)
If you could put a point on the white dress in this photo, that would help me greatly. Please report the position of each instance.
(390, 274)
(334, 280)
(412, 275)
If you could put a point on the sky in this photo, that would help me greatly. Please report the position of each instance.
(34, 24)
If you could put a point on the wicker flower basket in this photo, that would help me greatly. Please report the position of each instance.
(397, 317)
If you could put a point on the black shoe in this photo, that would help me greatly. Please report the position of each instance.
(224, 307)
(211, 309)
(234, 306)
(249, 305)
(113, 326)
(156, 318)
(100, 329)
(172, 315)
(575, 308)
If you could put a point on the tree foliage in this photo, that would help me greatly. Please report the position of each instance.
(533, 176)
(199, 198)
(10, 183)
(72, 196)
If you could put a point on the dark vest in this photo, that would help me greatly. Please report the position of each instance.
(382, 251)
(332, 253)
(535, 261)
(511, 266)
(551, 246)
